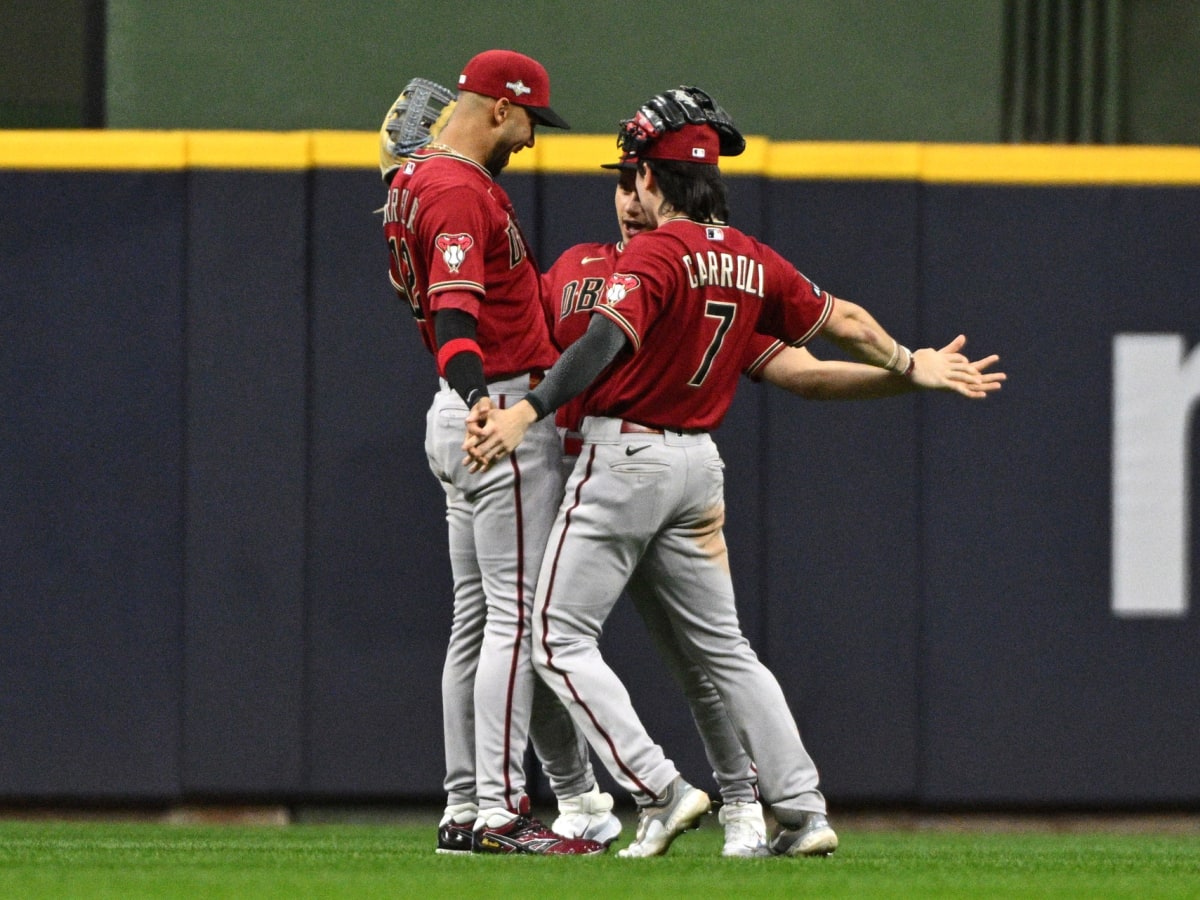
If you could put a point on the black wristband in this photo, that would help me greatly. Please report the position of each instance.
(464, 373)
(537, 405)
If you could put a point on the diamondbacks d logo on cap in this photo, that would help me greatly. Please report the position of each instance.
(518, 87)
(454, 249)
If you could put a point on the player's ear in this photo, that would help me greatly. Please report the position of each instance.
(645, 175)
(500, 110)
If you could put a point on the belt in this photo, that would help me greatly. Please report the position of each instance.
(535, 377)
(636, 428)
(628, 427)
(611, 430)
(516, 381)
(573, 444)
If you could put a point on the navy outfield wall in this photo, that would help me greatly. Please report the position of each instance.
(222, 564)
(91, 469)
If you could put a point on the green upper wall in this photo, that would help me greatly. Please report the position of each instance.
(802, 69)
(1089, 71)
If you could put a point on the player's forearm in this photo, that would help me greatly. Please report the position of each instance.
(460, 361)
(837, 380)
(856, 332)
(578, 367)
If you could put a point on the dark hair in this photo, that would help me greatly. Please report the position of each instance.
(693, 189)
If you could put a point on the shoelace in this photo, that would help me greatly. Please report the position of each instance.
(526, 825)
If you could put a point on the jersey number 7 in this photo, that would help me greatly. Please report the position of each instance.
(724, 313)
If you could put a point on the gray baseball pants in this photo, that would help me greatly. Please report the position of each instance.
(655, 503)
(492, 703)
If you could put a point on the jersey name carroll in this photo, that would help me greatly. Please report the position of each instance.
(725, 270)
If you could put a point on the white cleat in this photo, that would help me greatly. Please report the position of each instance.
(812, 837)
(745, 829)
(660, 824)
(588, 815)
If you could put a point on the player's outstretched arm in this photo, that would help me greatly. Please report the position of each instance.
(796, 370)
(856, 332)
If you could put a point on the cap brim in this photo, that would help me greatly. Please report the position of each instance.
(624, 166)
(544, 115)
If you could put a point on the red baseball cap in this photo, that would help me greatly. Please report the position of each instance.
(516, 77)
(691, 143)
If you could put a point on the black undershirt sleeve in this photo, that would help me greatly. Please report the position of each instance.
(579, 366)
(464, 371)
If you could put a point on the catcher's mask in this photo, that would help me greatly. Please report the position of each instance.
(672, 110)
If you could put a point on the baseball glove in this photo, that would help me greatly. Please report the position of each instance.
(670, 111)
(412, 122)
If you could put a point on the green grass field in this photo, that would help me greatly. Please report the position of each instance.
(127, 861)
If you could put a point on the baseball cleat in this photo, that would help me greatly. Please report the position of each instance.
(525, 834)
(454, 838)
(588, 815)
(659, 825)
(812, 837)
(745, 829)
(454, 831)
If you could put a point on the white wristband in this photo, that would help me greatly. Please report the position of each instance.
(901, 361)
(891, 363)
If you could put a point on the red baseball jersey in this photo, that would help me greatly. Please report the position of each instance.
(571, 289)
(450, 227)
(576, 284)
(690, 298)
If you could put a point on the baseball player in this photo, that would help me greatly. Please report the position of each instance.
(459, 262)
(647, 493)
(572, 287)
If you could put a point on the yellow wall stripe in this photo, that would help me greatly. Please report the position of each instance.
(345, 149)
(1042, 164)
(844, 160)
(583, 154)
(574, 153)
(92, 150)
(254, 150)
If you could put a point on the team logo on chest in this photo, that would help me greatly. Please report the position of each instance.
(620, 286)
(454, 249)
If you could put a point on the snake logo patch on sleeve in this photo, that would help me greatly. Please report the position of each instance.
(620, 286)
(454, 248)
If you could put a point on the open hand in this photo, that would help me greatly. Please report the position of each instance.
(948, 369)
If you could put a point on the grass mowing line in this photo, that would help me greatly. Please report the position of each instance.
(95, 861)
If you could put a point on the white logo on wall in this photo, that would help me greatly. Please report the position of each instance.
(1156, 385)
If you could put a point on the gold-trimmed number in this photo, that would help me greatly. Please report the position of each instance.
(406, 285)
(724, 313)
